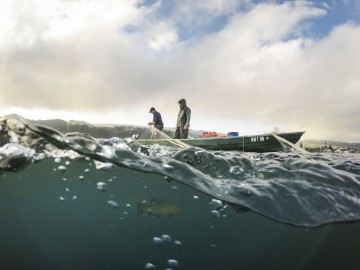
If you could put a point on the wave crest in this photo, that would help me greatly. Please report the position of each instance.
(303, 190)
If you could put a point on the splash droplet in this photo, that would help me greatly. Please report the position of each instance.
(168, 167)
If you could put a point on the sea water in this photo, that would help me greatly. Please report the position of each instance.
(69, 201)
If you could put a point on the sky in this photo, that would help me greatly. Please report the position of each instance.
(242, 65)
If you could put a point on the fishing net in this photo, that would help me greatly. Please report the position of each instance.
(154, 134)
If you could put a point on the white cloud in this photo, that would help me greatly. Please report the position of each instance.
(116, 59)
(161, 36)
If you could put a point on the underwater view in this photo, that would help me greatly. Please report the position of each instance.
(71, 201)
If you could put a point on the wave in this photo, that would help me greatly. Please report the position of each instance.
(290, 187)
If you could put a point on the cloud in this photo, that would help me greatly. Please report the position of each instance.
(244, 65)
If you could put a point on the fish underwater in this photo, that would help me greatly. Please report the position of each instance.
(157, 208)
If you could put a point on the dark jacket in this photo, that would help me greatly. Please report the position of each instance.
(157, 118)
(183, 117)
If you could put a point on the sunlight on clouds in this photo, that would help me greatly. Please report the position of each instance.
(25, 21)
(5, 20)
(163, 38)
(111, 60)
(108, 117)
(65, 25)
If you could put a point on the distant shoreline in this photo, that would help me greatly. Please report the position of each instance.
(317, 146)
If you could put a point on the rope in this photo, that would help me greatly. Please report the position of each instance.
(280, 139)
(154, 134)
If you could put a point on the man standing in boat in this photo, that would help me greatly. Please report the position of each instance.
(157, 120)
(183, 121)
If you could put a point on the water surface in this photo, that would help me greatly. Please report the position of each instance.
(237, 210)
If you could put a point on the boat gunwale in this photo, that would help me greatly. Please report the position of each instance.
(232, 137)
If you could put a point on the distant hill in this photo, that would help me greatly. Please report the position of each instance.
(103, 130)
(121, 131)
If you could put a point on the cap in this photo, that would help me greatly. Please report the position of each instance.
(152, 109)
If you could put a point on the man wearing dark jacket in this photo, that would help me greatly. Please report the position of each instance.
(183, 121)
(157, 120)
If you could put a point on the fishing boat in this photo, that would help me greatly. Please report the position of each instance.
(269, 142)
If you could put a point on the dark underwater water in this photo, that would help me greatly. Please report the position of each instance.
(238, 210)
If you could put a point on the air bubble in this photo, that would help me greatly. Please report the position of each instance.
(166, 238)
(158, 241)
(178, 243)
(215, 213)
(216, 203)
(173, 263)
(101, 186)
(150, 266)
(113, 204)
(62, 168)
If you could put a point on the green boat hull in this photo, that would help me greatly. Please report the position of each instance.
(253, 143)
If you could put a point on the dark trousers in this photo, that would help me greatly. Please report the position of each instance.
(159, 127)
(181, 133)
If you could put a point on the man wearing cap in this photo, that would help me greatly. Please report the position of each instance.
(157, 120)
(183, 121)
